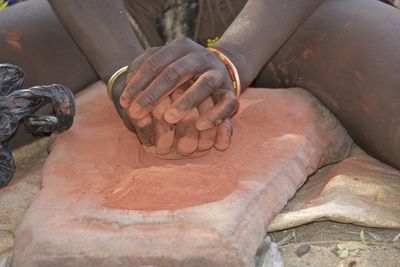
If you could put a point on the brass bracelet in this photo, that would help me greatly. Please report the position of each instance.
(113, 78)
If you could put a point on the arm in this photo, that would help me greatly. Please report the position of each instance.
(102, 32)
(256, 34)
(260, 30)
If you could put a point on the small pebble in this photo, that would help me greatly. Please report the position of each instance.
(303, 249)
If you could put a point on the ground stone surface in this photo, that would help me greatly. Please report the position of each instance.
(281, 137)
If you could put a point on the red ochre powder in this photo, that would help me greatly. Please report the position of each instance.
(168, 187)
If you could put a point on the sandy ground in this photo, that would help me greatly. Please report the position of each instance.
(336, 244)
(16, 197)
(315, 244)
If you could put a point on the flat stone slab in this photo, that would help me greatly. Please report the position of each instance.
(359, 190)
(107, 202)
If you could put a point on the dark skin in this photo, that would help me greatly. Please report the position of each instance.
(200, 112)
(153, 79)
(177, 63)
(343, 54)
(346, 54)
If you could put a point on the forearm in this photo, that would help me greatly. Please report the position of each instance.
(102, 32)
(260, 30)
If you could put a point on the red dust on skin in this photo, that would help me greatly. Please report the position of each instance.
(307, 54)
(13, 39)
(358, 75)
(348, 24)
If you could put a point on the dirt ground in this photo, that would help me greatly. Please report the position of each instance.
(316, 244)
(337, 244)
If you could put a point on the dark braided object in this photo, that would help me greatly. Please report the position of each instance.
(18, 106)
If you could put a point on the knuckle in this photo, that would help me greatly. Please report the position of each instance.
(182, 40)
(153, 64)
(212, 81)
(172, 74)
(194, 59)
(125, 98)
(148, 99)
(150, 50)
(133, 64)
(186, 102)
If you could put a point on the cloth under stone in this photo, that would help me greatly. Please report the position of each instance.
(358, 190)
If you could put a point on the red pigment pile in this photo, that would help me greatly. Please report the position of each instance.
(168, 187)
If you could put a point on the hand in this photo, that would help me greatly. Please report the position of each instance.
(203, 105)
(171, 140)
(156, 73)
(183, 137)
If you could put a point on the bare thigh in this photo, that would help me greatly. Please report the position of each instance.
(348, 55)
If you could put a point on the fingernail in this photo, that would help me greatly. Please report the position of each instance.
(171, 115)
(123, 101)
(186, 146)
(164, 143)
(222, 146)
(205, 145)
(145, 122)
(203, 125)
(162, 150)
(137, 112)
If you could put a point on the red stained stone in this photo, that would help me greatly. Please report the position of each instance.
(107, 202)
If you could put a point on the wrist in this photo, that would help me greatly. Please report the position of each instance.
(115, 89)
(113, 79)
(233, 52)
(231, 68)
(118, 88)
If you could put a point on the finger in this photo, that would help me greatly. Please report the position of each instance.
(224, 136)
(151, 67)
(203, 87)
(145, 130)
(127, 121)
(207, 137)
(135, 65)
(187, 136)
(164, 131)
(179, 91)
(185, 131)
(174, 75)
(226, 104)
(132, 81)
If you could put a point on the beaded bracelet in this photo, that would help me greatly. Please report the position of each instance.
(233, 73)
